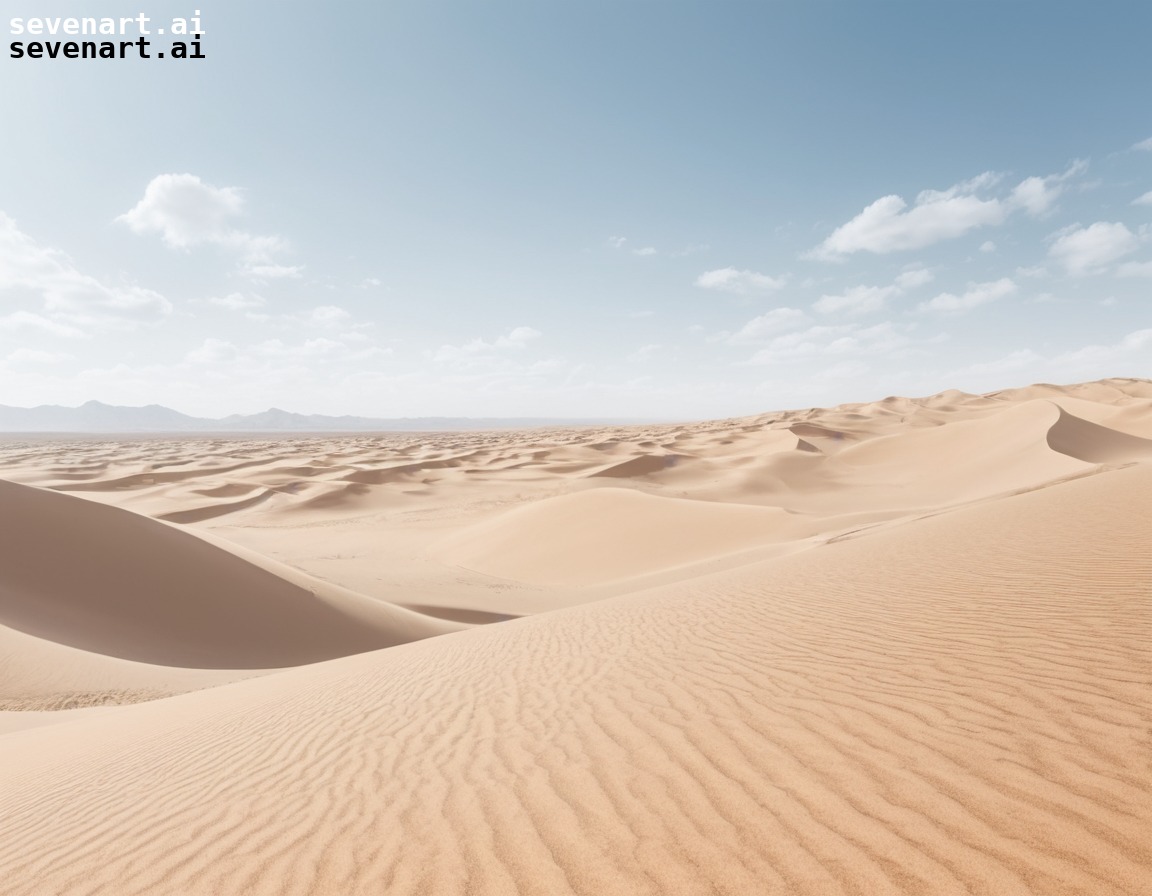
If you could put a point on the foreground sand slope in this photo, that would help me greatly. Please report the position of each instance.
(959, 704)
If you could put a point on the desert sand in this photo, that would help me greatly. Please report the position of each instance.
(903, 646)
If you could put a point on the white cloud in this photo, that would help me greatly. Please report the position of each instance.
(738, 282)
(1016, 360)
(515, 339)
(26, 320)
(988, 246)
(825, 341)
(868, 299)
(212, 351)
(1084, 250)
(238, 301)
(976, 295)
(890, 225)
(619, 242)
(878, 339)
(36, 356)
(856, 300)
(912, 279)
(1135, 269)
(1145, 199)
(187, 212)
(1097, 359)
(309, 348)
(644, 353)
(518, 338)
(273, 272)
(1144, 144)
(767, 324)
(327, 316)
(275, 358)
(1038, 195)
(69, 297)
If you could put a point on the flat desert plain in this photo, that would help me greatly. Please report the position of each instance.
(895, 647)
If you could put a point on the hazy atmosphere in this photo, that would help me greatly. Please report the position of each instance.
(609, 209)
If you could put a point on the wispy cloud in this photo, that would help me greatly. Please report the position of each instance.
(890, 225)
(739, 282)
(832, 341)
(1135, 269)
(67, 298)
(238, 301)
(914, 278)
(1086, 250)
(325, 316)
(857, 300)
(1017, 360)
(27, 320)
(644, 353)
(264, 272)
(186, 212)
(1094, 358)
(767, 325)
(621, 243)
(516, 339)
(977, 294)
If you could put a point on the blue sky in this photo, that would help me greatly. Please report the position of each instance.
(597, 209)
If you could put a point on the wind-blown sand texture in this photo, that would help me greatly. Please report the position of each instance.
(895, 647)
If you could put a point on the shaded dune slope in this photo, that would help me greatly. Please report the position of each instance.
(1088, 441)
(956, 705)
(112, 582)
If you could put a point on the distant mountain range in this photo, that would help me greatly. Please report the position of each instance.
(95, 416)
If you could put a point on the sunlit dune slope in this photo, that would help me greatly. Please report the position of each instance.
(37, 674)
(957, 704)
(610, 533)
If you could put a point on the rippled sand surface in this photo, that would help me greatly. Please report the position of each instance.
(896, 647)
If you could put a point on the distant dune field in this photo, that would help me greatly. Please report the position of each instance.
(895, 647)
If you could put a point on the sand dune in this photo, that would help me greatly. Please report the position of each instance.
(38, 674)
(878, 716)
(1094, 443)
(900, 646)
(112, 582)
(604, 534)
